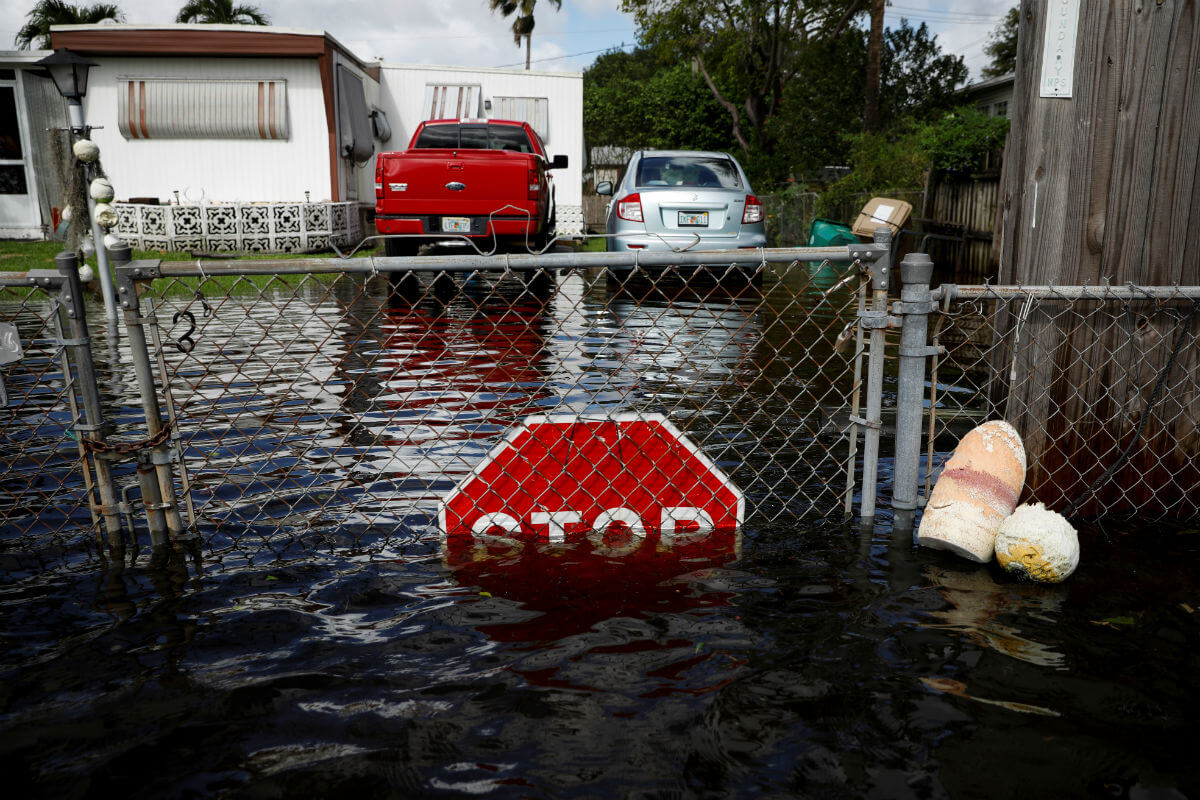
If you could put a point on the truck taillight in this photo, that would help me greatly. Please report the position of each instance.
(378, 179)
(630, 208)
(753, 212)
(535, 185)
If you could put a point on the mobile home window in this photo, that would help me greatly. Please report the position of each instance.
(534, 110)
(452, 101)
(182, 108)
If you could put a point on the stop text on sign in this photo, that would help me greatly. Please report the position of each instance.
(616, 482)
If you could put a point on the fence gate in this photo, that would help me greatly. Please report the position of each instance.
(330, 398)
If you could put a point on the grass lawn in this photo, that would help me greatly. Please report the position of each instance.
(22, 256)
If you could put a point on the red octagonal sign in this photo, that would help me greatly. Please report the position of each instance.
(619, 484)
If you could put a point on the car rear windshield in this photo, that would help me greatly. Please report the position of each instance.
(475, 137)
(706, 171)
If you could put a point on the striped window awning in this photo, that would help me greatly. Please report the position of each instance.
(183, 108)
(452, 101)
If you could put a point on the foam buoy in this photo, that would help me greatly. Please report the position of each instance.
(86, 150)
(112, 240)
(1037, 543)
(67, 214)
(86, 273)
(976, 491)
(106, 215)
(101, 190)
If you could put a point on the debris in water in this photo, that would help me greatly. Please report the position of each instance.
(959, 689)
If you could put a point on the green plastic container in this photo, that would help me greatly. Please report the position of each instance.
(827, 233)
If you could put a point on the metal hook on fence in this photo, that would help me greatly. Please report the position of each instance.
(208, 312)
(187, 335)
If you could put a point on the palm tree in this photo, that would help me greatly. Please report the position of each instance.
(45, 13)
(522, 13)
(221, 12)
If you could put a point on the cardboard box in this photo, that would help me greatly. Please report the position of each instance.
(881, 211)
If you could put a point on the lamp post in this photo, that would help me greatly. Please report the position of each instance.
(69, 71)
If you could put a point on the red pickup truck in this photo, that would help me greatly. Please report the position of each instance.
(471, 177)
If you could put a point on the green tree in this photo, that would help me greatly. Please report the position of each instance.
(918, 78)
(956, 143)
(1002, 46)
(959, 141)
(522, 13)
(36, 30)
(745, 50)
(221, 12)
(822, 107)
(620, 86)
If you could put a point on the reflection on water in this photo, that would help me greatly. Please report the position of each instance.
(318, 644)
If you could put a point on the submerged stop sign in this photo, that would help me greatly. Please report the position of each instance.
(619, 482)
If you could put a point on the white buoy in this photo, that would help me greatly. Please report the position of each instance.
(1037, 543)
(86, 273)
(978, 488)
(112, 240)
(67, 213)
(101, 190)
(86, 150)
(106, 215)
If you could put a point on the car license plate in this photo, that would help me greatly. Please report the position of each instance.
(693, 219)
(456, 224)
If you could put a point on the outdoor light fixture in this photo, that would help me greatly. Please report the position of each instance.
(69, 71)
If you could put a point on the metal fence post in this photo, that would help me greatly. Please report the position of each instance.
(93, 428)
(162, 454)
(876, 320)
(915, 305)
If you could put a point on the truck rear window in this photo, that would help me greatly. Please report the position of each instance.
(475, 137)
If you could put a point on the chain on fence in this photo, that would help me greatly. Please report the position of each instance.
(1102, 382)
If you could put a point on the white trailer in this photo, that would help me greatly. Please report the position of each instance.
(552, 102)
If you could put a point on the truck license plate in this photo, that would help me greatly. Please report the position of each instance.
(456, 224)
(693, 220)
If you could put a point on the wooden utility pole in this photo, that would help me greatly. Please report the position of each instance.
(874, 67)
(1102, 184)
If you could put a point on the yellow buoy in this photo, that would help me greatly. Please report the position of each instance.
(1038, 544)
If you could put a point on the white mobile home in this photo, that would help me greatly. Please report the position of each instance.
(551, 102)
(191, 117)
(29, 181)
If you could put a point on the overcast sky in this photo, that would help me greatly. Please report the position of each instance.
(465, 33)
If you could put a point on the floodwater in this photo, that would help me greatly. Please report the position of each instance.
(327, 658)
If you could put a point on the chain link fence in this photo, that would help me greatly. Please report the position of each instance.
(332, 403)
(1102, 382)
(266, 405)
(50, 489)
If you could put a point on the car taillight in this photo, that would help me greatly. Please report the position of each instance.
(630, 208)
(378, 179)
(535, 185)
(753, 212)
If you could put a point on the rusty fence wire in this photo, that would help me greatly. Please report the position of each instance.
(324, 403)
(52, 486)
(1102, 382)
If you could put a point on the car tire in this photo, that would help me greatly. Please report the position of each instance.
(405, 285)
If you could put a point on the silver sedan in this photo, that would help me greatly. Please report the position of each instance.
(682, 200)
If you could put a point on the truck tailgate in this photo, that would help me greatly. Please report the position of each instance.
(463, 182)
